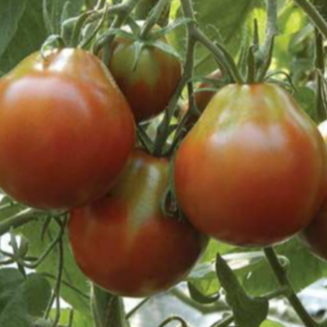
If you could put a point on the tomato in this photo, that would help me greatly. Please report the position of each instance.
(252, 171)
(315, 235)
(66, 130)
(149, 86)
(202, 97)
(125, 244)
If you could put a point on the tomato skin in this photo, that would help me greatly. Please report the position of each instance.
(315, 235)
(148, 87)
(252, 171)
(123, 242)
(66, 130)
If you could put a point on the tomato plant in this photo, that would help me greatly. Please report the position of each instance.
(66, 131)
(149, 81)
(125, 244)
(252, 171)
(202, 96)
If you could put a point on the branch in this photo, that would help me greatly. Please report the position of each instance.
(281, 276)
(314, 16)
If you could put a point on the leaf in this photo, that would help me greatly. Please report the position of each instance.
(199, 296)
(248, 311)
(77, 290)
(30, 35)
(305, 96)
(11, 12)
(300, 275)
(22, 300)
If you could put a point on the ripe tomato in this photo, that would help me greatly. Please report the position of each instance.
(125, 244)
(253, 170)
(66, 131)
(149, 86)
(201, 98)
(315, 235)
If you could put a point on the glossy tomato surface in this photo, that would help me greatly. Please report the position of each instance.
(123, 242)
(149, 85)
(315, 235)
(252, 171)
(66, 130)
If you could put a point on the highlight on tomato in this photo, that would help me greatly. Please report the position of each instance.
(315, 235)
(125, 244)
(66, 130)
(149, 81)
(252, 171)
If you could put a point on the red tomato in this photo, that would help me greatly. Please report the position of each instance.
(66, 131)
(252, 171)
(149, 86)
(315, 235)
(125, 244)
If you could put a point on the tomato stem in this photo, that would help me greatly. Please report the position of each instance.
(271, 31)
(283, 281)
(18, 220)
(321, 106)
(174, 318)
(314, 16)
(225, 322)
(153, 17)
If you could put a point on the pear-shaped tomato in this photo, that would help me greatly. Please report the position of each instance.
(148, 82)
(252, 171)
(125, 244)
(315, 235)
(66, 130)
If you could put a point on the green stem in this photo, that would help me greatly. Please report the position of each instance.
(18, 220)
(163, 129)
(321, 112)
(314, 16)
(174, 318)
(107, 309)
(219, 306)
(271, 32)
(137, 307)
(225, 322)
(153, 17)
(283, 281)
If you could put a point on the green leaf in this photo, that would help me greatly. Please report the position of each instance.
(199, 296)
(248, 311)
(75, 289)
(307, 100)
(300, 275)
(22, 301)
(30, 35)
(11, 12)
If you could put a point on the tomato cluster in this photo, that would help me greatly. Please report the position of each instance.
(252, 171)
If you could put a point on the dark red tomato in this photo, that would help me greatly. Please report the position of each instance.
(123, 242)
(66, 130)
(202, 98)
(315, 235)
(149, 86)
(253, 169)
